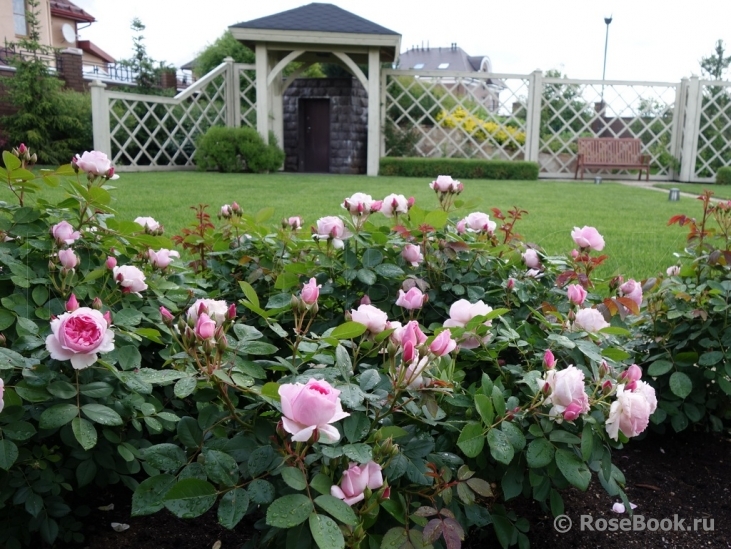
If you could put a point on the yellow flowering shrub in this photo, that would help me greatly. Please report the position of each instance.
(480, 129)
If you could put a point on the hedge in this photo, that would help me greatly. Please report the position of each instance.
(459, 168)
(723, 176)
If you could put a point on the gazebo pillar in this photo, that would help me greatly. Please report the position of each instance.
(374, 112)
(262, 90)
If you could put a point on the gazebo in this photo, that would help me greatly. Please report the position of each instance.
(317, 33)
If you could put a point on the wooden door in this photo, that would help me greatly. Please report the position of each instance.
(315, 132)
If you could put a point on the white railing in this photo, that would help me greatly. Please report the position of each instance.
(146, 132)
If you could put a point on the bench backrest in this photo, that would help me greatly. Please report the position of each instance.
(610, 150)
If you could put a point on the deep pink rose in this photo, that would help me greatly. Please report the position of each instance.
(631, 412)
(549, 361)
(395, 204)
(443, 344)
(78, 336)
(162, 258)
(68, 258)
(167, 316)
(216, 309)
(411, 333)
(205, 327)
(311, 292)
(412, 254)
(355, 480)
(130, 278)
(479, 222)
(371, 317)
(588, 237)
(94, 162)
(632, 290)
(413, 299)
(576, 294)
(72, 304)
(590, 320)
(332, 228)
(64, 233)
(566, 388)
(305, 408)
(531, 259)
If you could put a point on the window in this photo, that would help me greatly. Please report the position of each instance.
(419, 66)
(19, 17)
(443, 65)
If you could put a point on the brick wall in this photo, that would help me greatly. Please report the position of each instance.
(71, 69)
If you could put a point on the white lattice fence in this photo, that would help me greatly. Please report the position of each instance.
(713, 148)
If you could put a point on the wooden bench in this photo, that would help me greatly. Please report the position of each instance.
(611, 153)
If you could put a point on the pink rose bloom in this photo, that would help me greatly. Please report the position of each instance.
(413, 299)
(355, 480)
(130, 278)
(148, 223)
(412, 254)
(395, 204)
(411, 333)
(311, 292)
(205, 327)
(359, 204)
(531, 259)
(460, 313)
(68, 258)
(461, 226)
(631, 376)
(445, 184)
(371, 317)
(588, 237)
(162, 258)
(566, 388)
(225, 212)
(310, 407)
(111, 262)
(673, 271)
(632, 290)
(72, 304)
(78, 336)
(572, 411)
(576, 294)
(590, 320)
(414, 374)
(2, 393)
(631, 412)
(167, 316)
(549, 361)
(64, 233)
(94, 162)
(332, 228)
(216, 309)
(295, 222)
(443, 344)
(480, 223)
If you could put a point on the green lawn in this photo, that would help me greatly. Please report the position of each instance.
(633, 221)
(719, 191)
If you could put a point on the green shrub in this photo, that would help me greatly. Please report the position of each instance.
(459, 168)
(723, 176)
(237, 149)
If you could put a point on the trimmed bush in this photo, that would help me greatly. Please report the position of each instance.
(459, 168)
(723, 176)
(236, 150)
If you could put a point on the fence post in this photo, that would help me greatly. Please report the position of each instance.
(533, 116)
(262, 90)
(100, 118)
(690, 130)
(230, 93)
(373, 155)
(676, 136)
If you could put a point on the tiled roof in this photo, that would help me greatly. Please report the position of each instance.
(64, 8)
(430, 59)
(316, 17)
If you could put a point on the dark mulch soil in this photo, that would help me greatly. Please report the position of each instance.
(688, 476)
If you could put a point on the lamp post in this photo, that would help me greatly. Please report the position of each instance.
(607, 20)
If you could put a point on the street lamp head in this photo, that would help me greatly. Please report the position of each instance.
(608, 20)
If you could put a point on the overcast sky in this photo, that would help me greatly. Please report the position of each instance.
(650, 40)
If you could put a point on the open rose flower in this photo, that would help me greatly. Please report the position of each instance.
(632, 290)
(443, 344)
(673, 270)
(461, 312)
(64, 233)
(95, 163)
(631, 412)
(162, 258)
(148, 223)
(445, 184)
(411, 333)
(413, 299)
(360, 204)
(566, 395)
(68, 258)
(216, 309)
(355, 480)
(395, 204)
(331, 228)
(79, 336)
(412, 254)
(130, 278)
(588, 237)
(313, 406)
(590, 320)
(531, 259)
(479, 222)
(294, 223)
(371, 317)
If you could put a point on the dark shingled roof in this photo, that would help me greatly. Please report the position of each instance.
(317, 18)
(65, 8)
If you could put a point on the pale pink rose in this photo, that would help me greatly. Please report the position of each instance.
(313, 406)
(332, 228)
(412, 254)
(68, 258)
(395, 204)
(443, 344)
(673, 271)
(371, 317)
(162, 258)
(355, 480)
(566, 387)
(549, 361)
(359, 204)
(216, 309)
(460, 313)
(64, 233)
(479, 222)
(295, 222)
(414, 374)
(94, 162)
(413, 299)
(632, 290)
(111, 262)
(588, 237)
(148, 223)
(225, 211)
(534, 273)
(78, 336)
(311, 292)
(205, 327)
(2, 394)
(576, 294)
(461, 226)
(531, 259)
(631, 412)
(411, 333)
(445, 184)
(130, 278)
(590, 320)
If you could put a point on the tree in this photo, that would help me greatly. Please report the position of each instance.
(716, 64)
(563, 107)
(146, 71)
(714, 151)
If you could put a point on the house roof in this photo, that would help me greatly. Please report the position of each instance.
(65, 8)
(431, 59)
(89, 47)
(316, 17)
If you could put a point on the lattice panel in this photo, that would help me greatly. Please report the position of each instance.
(159, 131)
(571, 109)
(714, 130)
(450, 115)
(247, 97)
